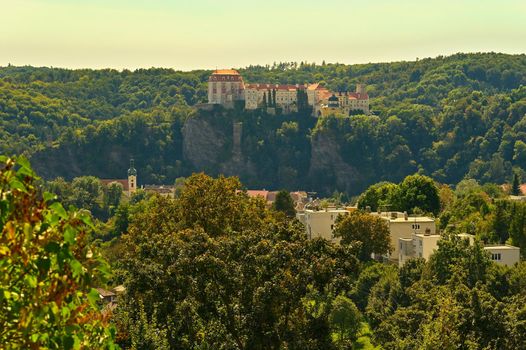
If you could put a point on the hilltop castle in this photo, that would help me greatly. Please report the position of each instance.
(226, 87)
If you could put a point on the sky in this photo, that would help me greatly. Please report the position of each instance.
(206, 34)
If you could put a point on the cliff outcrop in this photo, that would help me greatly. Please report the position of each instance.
(327, 166)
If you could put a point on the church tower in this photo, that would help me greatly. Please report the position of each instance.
(132, 178)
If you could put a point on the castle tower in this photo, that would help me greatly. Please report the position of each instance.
(225, 86)
(360, 89)
(132, 178)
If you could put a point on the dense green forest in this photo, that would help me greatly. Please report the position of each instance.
(216, 269)
(451, 118)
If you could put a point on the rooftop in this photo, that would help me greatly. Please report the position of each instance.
(328, 210)
(258, 193)
(288, 87)
(225, 72)
(422, 235)
(394, 216)
(500, 246)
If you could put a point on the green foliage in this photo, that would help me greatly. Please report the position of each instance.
(345, 318)
(47, 269)
(369, 233)
(459, 299)
(284, 203)
(515, 185)
(417, 191)
(366, 281)
(378, 196)
(447, 117)
(87, 192)
(214, 269)
(456, 256)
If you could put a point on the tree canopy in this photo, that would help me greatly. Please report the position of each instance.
(445, 117)
(47, 269)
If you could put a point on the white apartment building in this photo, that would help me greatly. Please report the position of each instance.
(418, 246)
(424, 245)
(402, 225)
(320, 223)
(504, 254)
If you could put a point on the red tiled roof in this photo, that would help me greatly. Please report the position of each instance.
(271, 197)
(298, 195)
(258, 193)
(358, 96)
(123, 182)
(324, 94)
(315, 86)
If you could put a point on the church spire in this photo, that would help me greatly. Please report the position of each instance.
(132, 178)
(132, 171)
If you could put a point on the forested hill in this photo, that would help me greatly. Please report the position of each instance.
(447, 117)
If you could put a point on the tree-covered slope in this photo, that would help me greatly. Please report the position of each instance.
(447, 117)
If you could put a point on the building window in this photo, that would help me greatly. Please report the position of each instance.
(415, 226)
(495, 256)
(332, 227)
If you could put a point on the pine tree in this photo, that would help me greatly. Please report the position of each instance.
(284, 203)
(515, 187)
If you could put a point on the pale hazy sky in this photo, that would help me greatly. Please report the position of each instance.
(194, 34)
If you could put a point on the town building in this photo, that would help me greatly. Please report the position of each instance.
(402, 225)
(226, 86)
(320, 223)
(424, 245)
(162, 190)
(504, 254)
(418, 246)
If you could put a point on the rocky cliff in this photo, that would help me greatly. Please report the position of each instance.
(203, 145)
(327, 166)
(207, 147)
